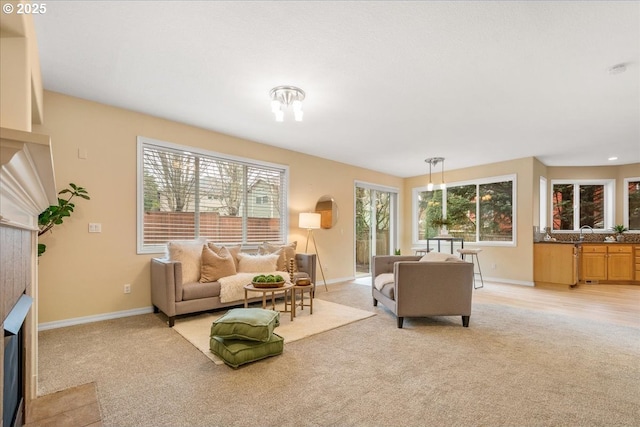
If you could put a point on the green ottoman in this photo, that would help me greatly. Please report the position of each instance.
(252, 324)
(244, 335)
(238, 352)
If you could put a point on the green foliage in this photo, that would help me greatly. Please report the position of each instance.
(397, 252)
(55, 214)
(619, 228)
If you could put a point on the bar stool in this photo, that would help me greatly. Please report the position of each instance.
(473, 253)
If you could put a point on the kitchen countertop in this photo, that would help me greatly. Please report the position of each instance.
(575, 242)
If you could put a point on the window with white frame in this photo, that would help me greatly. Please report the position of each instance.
(579, 203)
(632, 204)
(185, 193)
(543, 203)
(479, 211)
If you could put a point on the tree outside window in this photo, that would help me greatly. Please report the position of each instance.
(481, 212)
(577, 205)
(187, 195)
(633, 204)
(461, 211)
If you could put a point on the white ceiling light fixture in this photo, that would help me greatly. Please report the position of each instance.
(433, 162)
(282, 97)
(618, 68)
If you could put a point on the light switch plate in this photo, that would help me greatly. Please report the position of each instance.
(95, 227)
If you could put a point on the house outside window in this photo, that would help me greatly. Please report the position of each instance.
(632, 204)
(480, 211)
(186, 193)
(582, 203)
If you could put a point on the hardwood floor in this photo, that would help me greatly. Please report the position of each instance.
(73, 407)
(618, 304)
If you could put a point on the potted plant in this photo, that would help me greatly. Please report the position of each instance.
(55, 214)
(619, 229)
(441, 224)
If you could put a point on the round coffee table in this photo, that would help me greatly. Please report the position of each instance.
(286, 288)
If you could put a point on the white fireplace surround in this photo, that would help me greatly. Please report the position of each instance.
(27, 183)
(27, 187)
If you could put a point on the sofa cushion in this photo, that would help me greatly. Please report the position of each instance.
(257, 263)
(197, 290)
(238, 352)
(383, 279)
(252, 324)
(189, 254)
(285, 252)
(440, 257)
(385, 284)
(216, 264)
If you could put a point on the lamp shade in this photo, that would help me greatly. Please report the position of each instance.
(309, 220)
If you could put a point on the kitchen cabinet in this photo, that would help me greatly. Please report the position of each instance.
(637, 252)
(593, 262)
(555, 263)
(606, 262)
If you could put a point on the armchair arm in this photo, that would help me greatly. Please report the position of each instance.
(384, 263)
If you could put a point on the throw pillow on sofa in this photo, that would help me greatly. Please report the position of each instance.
(189, 254)
(234, 250)
(257, 263)
(216, 264)
(440, 257)
(285, 253)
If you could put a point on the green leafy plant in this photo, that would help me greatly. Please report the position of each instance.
(439, 222)
(55, 214)
(397, 252)
(619, 228)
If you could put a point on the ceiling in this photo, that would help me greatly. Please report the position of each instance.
(387, 84)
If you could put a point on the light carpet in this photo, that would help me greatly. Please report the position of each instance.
(326, 316)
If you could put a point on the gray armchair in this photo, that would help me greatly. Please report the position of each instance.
(412, 288)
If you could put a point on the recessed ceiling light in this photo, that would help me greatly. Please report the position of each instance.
(612, 158)
(618, 68)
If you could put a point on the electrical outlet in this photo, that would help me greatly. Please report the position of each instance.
(494, 266)
(127, 288)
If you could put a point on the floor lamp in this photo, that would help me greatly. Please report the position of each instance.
(311, 221)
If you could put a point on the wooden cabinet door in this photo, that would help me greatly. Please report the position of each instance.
(594, 262)
(554, 263)
(637, 253)
(620, 263)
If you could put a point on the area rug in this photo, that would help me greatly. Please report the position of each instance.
(326, 316)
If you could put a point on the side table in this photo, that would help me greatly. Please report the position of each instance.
(302, 289)
(286, 288)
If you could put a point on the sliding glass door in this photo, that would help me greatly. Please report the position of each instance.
(376, 224)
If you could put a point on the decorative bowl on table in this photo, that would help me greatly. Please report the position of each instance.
(268, 284)
(303, 282)
(268, 281)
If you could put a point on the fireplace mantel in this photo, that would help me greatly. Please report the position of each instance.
(27, 182)
(27, 187)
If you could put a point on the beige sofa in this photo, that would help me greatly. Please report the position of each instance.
(173, 298)
(413, 288)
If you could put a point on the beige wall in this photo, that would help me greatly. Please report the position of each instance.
(514, 263)
(82, 274)
(20, 79)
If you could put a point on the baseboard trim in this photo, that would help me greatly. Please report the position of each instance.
(508, 281)
(90, 319)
